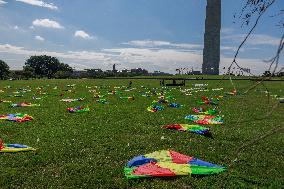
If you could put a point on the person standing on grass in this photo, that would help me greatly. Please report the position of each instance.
(130, 84)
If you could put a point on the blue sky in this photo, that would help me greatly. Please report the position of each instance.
(153, 34)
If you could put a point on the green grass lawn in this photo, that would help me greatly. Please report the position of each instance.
(89, 150)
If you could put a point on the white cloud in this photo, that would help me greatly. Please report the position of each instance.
(166, 60)
(257, 66)
(40, 4)
(227, 30)
(47, 23)
(82, 34)
(153, 44)
(39, 38)
(254, 39)
(2, 2)
(16, 27)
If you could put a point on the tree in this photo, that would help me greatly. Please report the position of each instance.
(4, 70)
(252, 12)
(28, 72)
(46, 66)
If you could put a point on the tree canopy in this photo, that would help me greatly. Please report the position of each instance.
(46, 66)
(4, 70)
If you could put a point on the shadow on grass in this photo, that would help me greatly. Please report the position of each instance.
(208, 135)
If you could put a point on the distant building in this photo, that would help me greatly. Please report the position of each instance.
(139, 71)
(159, 73)
(125, 71)
(114, 70)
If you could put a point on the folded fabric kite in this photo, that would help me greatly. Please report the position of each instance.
(233, 92)
(155, 108)
(24, 104)
(102, 101)
(98, 96)
(78, 109)
(127, 97)
(72, 100)
(14, 147)
(160, 101)
(5, 101)
(206, 100)
(217, 89)
(205, 119)
(71, 85)
(168, 163)
(186, 127)
(17, 95)
(212, 102)
(114, 92)
(203, 111)
(18, 117)
(175, 105)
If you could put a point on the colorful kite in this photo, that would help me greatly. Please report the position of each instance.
(175, 105)
(14, 147)
(102, 101)
(24, 104)
(186, 127)
(233, 92)
(168, 163)
(72, 100)
(5, 101)
(98, 96)
(202, 110)
(114, 92)
(78, 109)
(18, 117)
(155, 108)
(205, 119)
(206, 100)
(160, 101)
(127, 97)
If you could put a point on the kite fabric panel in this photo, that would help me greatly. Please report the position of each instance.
(14, 148)
(205, 119)
(18, 117)
(186, 127)
(155, 108)
(24, 104)
(168, 163)
(78, 109)
(202, 110)
(72, 100)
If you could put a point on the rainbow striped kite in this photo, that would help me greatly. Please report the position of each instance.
(78, 109)
(205, 119)
(168, 163)
(14, 147)
(155, 108)
(203, 111)
(18, 117)
(24, 104)
(186, 127)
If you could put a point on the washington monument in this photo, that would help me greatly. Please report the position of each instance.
(211, 51)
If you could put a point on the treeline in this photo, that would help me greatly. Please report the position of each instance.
(44, 66)
(37, 67)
